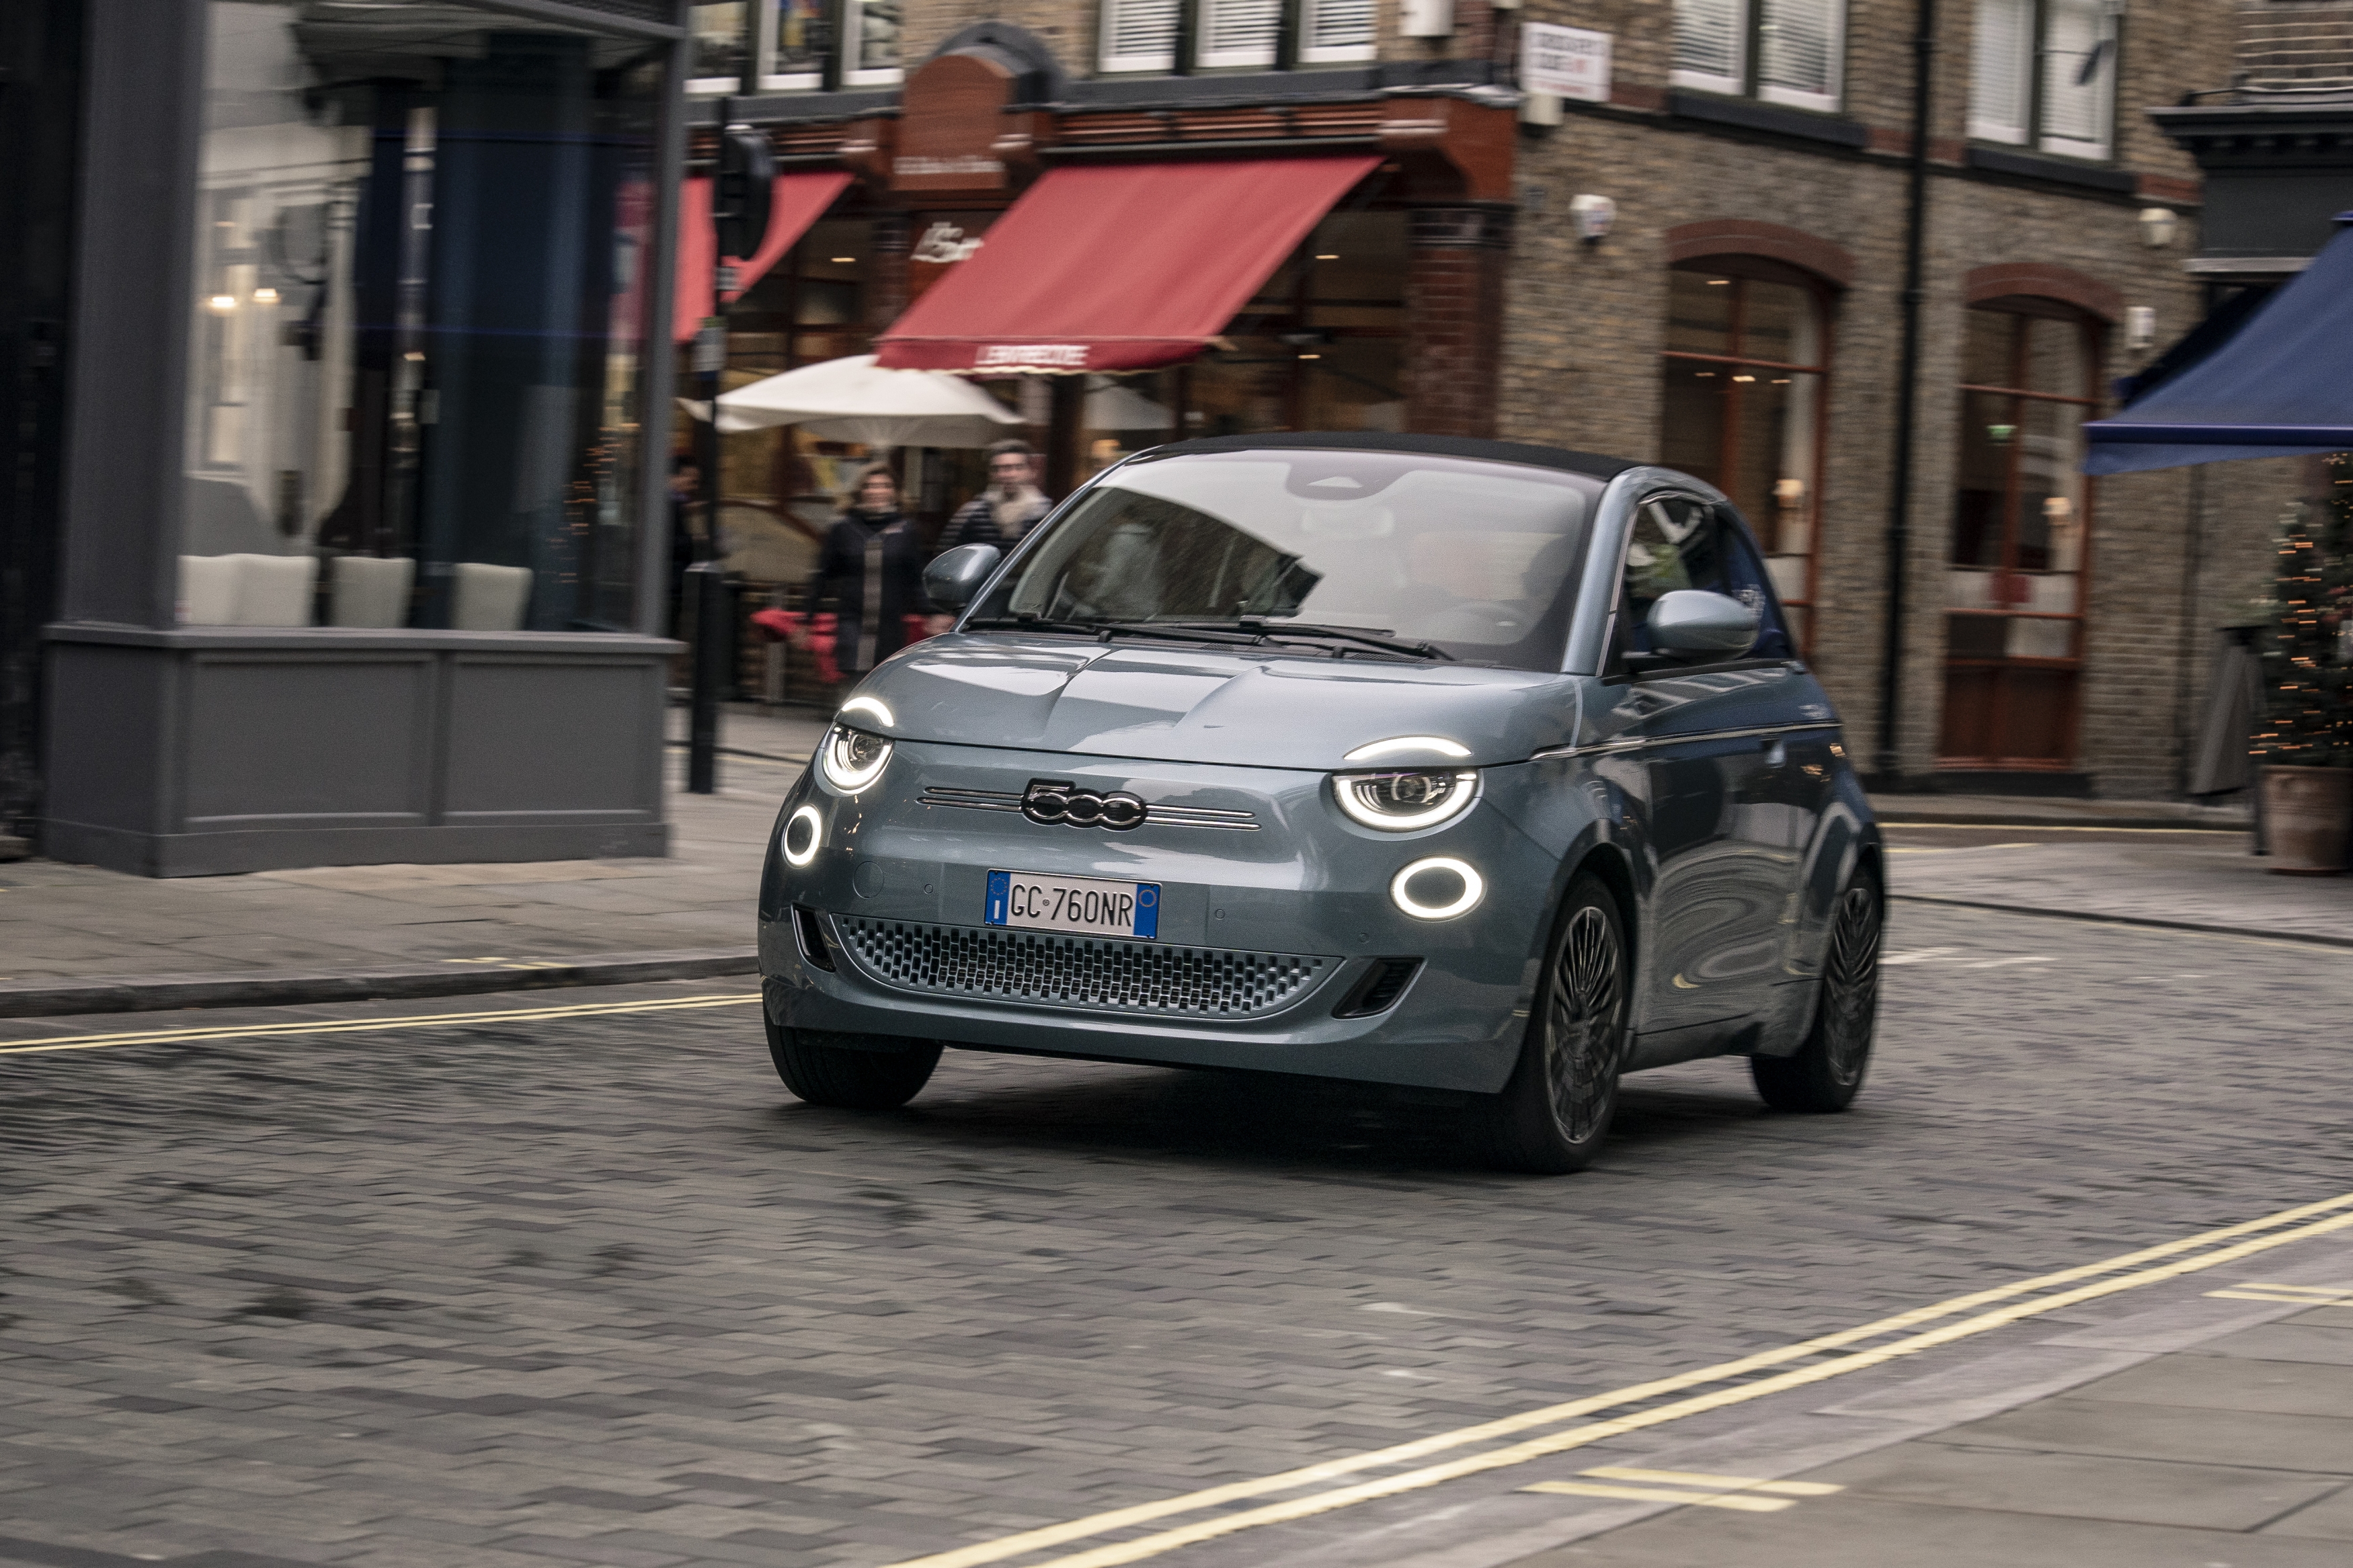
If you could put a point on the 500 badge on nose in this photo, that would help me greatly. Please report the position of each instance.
(1086, 905)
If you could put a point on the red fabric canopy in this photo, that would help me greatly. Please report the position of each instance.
(799, 201)
(1124, 267)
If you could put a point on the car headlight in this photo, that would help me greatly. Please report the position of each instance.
(852, 759)
(1401, 801)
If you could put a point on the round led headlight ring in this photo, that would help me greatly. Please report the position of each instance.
(1404, 800)
(804, 831)
(1440, 869)
(852, 759)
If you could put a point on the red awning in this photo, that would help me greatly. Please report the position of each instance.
(799, 201)
(1125, 268)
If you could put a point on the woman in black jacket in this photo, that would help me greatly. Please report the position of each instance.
(871, 571)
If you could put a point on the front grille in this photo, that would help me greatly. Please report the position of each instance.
(1076, 970)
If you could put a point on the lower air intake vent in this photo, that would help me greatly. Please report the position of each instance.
(1076, 970)
(1378, 992)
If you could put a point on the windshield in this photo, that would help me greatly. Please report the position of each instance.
(1478, 559)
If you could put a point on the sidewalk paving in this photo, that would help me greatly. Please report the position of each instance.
(74, 939)
(2236, 1453)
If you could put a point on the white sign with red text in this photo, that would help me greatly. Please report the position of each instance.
(1567, 62)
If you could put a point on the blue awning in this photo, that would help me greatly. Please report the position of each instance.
(2281, 386)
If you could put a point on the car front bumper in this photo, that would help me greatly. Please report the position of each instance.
(1264, 932)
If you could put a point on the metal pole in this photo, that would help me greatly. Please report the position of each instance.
(1887, 764)
(704, 578)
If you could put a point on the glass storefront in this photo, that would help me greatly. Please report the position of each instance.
(2013, 584)
(420, 319)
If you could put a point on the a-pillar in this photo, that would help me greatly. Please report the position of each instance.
(1454, 318)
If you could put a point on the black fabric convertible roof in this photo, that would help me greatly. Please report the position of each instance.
(1587, 463)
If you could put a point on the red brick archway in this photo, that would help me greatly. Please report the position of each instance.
(1831, 262)
(2045, 280)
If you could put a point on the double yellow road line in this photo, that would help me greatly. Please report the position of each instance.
(1639, 1405)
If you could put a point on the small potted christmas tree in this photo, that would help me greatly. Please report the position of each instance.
(2305, 735)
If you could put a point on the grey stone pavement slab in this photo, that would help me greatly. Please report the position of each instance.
(516, 1292)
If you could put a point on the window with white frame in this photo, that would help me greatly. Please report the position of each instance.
(2042, 74)
(1146, 35)
(1782, 51)
(794, 44)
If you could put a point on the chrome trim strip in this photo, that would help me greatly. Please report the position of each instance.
(1162, 816)
(1644, 742)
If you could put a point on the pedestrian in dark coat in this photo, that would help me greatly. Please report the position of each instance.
(871, 575)
(1009, 508)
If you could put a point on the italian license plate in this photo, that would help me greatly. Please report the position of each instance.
(1086, 905)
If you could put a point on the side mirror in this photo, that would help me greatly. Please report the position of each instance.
(1691, 624)
(951, 580)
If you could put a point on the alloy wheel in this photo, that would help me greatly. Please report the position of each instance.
(1582, 1024)
(1850, 983)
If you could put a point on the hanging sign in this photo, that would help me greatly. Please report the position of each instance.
(1567, 62)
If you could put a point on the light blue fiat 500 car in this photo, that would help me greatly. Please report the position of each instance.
(1413, 759)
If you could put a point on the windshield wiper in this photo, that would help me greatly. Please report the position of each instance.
(1032, 623)
(1310, 630)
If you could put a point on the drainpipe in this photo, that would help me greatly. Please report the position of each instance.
(1886, 764)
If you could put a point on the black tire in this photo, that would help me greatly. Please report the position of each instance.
(823, 1072)
(1554, 1113)
(1827, 1071)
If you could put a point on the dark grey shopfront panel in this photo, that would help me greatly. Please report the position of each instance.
(294, 738)
(533, 741)
(205, 752)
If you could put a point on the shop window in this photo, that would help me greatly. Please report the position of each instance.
(782, 45)
(419, 321)
(1149, 35)
(2015, 579)
(1747, 378)
(1782, 51)
(2042, 74)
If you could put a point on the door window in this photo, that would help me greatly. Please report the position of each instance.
(1678, 542)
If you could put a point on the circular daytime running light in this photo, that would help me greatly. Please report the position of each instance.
(852, 759)
(1404, 801)
(808, 828)
(1436, 745)
(1474, 887)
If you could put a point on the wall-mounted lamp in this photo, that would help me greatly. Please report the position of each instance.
(2140, 326)
(1539, 108)
(1591, 216)
(2157, 225)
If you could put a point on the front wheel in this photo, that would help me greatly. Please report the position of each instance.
(1554, 1113)
(1826, 1072)
(824, 1069)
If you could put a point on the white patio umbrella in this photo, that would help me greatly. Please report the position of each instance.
(1111, 407)
(852, 400)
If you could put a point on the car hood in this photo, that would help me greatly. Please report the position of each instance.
(1181, 703)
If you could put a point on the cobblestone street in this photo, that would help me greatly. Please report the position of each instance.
(552, 1283)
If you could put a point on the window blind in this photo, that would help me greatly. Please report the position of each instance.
(2079, 74)
(1337, 30)
(1799, 47)
(2002, 69)
(1239, 32)
(1139, 34)
(1710, 43)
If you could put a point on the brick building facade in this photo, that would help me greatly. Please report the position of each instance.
(1740, 318)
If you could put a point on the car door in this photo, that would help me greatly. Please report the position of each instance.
(1726, 825)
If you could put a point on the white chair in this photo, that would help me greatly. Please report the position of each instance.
(275, 590)
(370, 591)
(489, 598)
(207, 590)
(245, 590)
